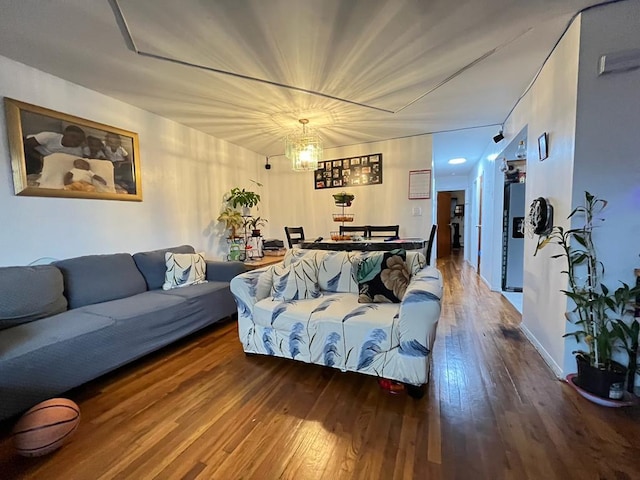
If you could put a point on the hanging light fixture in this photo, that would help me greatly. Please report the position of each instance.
(303, 149)
(521, 151)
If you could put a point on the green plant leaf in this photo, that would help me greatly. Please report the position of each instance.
(369, 268)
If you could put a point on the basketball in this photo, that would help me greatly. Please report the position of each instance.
(46, 427)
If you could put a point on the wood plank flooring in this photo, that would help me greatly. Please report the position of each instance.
(201, 409)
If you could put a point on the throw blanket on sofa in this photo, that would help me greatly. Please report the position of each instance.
(390, 340)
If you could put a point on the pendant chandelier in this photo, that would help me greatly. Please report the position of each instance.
(304, 149)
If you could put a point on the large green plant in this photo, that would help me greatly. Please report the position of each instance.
(241, 197)
(602, 315)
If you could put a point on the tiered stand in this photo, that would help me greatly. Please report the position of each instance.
(341, 218)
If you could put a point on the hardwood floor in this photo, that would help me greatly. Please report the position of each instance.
(201, 409)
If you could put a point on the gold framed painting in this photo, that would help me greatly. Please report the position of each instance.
(54, 154)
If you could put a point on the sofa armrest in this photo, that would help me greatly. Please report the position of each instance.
(224, 271)
(419, 312)
(250, 287)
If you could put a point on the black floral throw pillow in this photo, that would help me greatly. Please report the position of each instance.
(383, 277)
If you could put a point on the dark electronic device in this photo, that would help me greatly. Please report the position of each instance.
(541, 216)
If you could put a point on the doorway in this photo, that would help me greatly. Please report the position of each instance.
(476, 257)
(450, 220)
(444, 224)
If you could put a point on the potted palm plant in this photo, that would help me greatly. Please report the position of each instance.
(255, 223)
(602, 316)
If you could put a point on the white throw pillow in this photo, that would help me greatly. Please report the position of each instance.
(184, 269)
(296, 281)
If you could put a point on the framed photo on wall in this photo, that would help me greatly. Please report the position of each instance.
(347, 172)
(543, 147)
(54, 154)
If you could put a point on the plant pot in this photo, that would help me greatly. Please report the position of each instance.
(598, 380)
(255, 232)
(343, 199)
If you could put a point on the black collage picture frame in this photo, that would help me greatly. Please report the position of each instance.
(349, 172)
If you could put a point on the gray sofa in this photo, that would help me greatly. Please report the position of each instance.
(64, 324)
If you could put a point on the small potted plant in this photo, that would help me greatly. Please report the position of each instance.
(232, 220)
(601, 315)
(343, 199)
(255, 223)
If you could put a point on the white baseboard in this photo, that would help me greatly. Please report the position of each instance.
(487, 283)
(555, 368)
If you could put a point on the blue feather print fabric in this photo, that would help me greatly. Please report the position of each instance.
(330, 350)
(251, 280)
(324, 305)
(243, 308)
(417, 296)
(280, 286)
(334, 281)
(279, 310)
(371, 348)
(359, 311)
(267, 341)
(295, 339)
(413, 348)
(185, 275)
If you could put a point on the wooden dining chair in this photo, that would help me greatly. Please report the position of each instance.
(355, 229)
(383, 230)
(295, 235)
(432, 237)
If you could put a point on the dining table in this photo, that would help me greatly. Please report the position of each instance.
(365, 244)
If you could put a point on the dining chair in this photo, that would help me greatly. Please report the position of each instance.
(383, 230)
(357, 229)
(432, 237)
(295, 235)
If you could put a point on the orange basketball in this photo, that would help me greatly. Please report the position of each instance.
(46, 427)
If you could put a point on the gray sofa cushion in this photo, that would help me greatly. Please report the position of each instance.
(224, 271)
(42, 359)
(212, 298)
(37, 336)
(29, 293)
(152, 264)
(100, 278)
(148, 304)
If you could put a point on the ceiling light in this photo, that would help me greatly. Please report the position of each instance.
(499, 137)
(457, 161)
(304, 149)
(521, 151)
(492, 157)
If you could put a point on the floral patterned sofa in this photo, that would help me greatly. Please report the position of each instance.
(327, 325)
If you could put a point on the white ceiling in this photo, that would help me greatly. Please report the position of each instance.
(380, 69)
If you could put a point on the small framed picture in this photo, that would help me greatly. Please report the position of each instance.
(543, 147)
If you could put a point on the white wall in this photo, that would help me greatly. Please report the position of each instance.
(592, 124)
(184, 175)
(550, 106)
(607, 157)
(483, 180)
(293, 201)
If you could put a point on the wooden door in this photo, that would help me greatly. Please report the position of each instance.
(444, 224)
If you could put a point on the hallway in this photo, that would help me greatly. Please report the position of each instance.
(503, 412)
